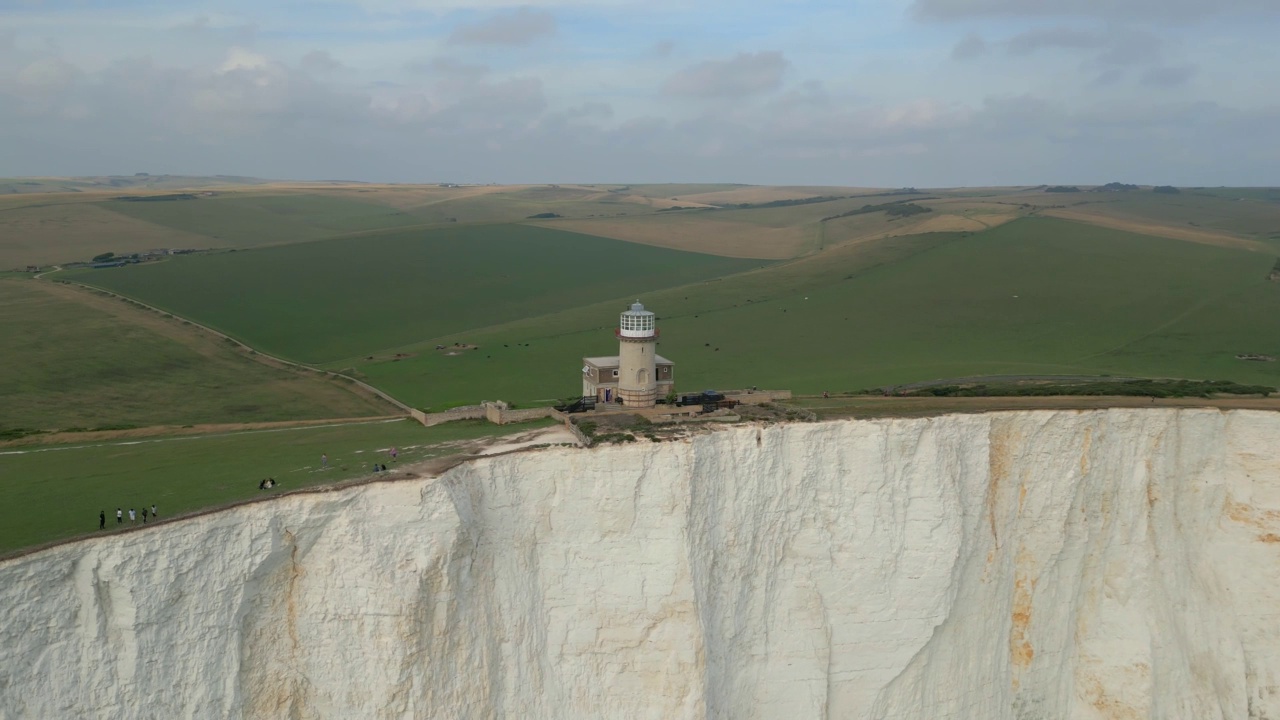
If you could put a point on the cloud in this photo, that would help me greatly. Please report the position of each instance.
(1169, 76)
(969, 47)
(740, 76)
(319, 61)
(520, 27)
(1028, 42)
(448, 67)
(1149, 10)
(1113, 48)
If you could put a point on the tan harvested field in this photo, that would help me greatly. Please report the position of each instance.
(1195, 235)
(789, 232)
(700, 234)
(56, 233)
(754, 195)
(409, 197)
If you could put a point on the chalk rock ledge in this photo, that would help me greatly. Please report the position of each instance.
(1100, 564)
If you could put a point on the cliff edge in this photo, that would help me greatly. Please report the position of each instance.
(1024, 565)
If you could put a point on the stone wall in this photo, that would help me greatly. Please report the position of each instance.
(466, 412)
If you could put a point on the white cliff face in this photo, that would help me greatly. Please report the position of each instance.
(1108, 564)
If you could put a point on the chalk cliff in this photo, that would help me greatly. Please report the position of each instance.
(1105, 564)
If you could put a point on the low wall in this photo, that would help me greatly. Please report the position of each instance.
(466, 412)
(498, 413)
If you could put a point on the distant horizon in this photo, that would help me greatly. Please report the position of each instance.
(586, 183)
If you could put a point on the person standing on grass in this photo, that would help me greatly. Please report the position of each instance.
(324, 461)
(119, 516)
(144, 514)
(102, 519)
(154, 514)
(133, 517)
(393, 454)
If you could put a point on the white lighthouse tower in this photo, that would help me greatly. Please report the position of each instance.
(637, 358)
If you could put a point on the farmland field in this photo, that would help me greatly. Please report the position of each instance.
(1034, 296)
(247, 220)
(62, 488)
(371, 279)
(335, 299)
(73, 359)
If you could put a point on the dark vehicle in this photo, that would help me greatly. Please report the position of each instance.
(708, 399)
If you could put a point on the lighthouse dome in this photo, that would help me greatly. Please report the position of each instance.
(637, 322)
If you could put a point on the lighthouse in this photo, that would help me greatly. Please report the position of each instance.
(637, 376)
(637, 357)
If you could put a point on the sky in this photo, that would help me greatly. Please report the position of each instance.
(890, 93)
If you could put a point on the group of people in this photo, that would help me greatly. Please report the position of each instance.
(266, 484)
(383, 467)
(133, 516)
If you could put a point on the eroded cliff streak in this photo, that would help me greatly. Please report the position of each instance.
(1104, 564)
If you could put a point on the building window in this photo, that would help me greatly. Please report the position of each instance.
(615, 373)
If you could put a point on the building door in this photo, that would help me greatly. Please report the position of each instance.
(608, 395)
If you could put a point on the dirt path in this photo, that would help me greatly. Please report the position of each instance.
(162, 433)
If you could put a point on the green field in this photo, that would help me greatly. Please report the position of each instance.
(334, 299)
(73, 359)
(247, 220)
(56, 492)
(1036, 296)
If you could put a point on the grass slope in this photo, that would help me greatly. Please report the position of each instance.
(336, 299)
(1034, 296)
(52, 493)
(73, 359)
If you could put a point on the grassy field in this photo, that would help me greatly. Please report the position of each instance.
(45, 234)
(1245, 218)
(334, 299)
(56, 492)
(770, 233)
(251, 219)
(74, 359)
(47, 227)
(1034, 296)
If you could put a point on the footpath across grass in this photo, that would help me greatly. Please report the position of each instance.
(51, 493)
